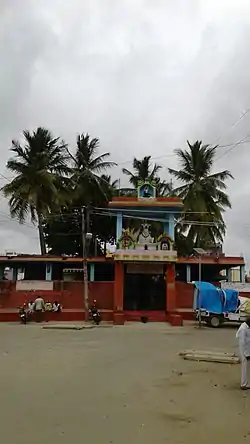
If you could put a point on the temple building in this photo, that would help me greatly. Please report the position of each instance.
(142, 275)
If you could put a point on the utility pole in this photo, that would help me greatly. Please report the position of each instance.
(85, 267)
(200, 252)
(200, 258)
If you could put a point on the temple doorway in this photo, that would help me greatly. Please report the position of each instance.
(144, 287)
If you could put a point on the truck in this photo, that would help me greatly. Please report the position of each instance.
(215, 305)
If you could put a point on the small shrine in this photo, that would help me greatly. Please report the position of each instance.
(146, 190)
(139, 244)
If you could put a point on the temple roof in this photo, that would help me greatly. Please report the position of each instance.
(163, 202)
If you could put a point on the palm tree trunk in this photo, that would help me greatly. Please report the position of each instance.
(41, 236)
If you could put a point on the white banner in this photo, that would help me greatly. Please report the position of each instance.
(34, 285)
(239, 286)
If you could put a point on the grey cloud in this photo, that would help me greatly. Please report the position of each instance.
(144, 76)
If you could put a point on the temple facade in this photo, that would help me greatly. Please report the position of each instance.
(141, 274)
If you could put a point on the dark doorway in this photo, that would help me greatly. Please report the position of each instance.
(144, 291)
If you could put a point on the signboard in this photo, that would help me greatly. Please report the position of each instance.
(146, 255)
(145, 269)
(34, 285)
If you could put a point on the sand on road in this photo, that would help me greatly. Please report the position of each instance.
(119, 385)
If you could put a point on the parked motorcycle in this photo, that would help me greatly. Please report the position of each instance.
(96, 317)
(95, 313)
(23, 316)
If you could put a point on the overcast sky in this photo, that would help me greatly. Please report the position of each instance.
(143, 76)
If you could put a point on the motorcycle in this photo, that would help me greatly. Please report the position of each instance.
(23, 316)
(96, 317)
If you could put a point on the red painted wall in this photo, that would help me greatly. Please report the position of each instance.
(69, 294)
(184, 295)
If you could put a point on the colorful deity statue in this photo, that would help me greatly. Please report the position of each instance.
(144, 236)
(126, 240)
(146, 189)
(165, 241)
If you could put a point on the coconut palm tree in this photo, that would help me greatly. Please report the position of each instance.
(87, 169)
(203, 194)
(143, 170)
(40, 168)
(88, 188)
(110, 187)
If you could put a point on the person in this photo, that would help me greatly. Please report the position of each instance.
(48, 306)
(95, 313)
(38, 308)
(23, 313)
(57, 307)
(30, 307)
(94, 308)
(243, 336)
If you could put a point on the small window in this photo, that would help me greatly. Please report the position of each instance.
(104, 272)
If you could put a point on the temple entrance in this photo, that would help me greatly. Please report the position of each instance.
(144, 287)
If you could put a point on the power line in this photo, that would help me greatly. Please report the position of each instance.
(151, 211)
(243, 115)
(155, 219)
(234, 124)
(243, 141)
(12, 219)
(232, 147)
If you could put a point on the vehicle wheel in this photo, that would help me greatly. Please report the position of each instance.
(215, 322)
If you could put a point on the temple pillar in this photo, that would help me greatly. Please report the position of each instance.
(118, 286)
(1, 273)
(229, 275)
(170, 287)
(14, 273)
(188, 273)
(48, 272)
(166, 227)
(171, 226)
(242, 273)
(92, 272)
(118, 226)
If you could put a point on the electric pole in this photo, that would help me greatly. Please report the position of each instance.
(85, 267)
(200, 259)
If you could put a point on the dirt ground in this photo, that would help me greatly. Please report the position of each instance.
(119, 385)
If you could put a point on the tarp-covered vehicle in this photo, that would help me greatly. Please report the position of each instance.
(216, 306)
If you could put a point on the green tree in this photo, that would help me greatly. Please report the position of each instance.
(39, 186)
(203, 194)
(110, 188)
(89, 188)
(143, 170)
(87, 169)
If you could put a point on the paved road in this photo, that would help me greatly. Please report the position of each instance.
(118, 385)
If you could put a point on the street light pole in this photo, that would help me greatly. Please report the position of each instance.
(85, 267)
(199, 291)
(199, 252)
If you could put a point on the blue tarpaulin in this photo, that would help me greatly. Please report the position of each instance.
(209, 297)
(214, 299)
(232, 298)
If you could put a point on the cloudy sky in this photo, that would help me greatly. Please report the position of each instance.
(142, 75)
